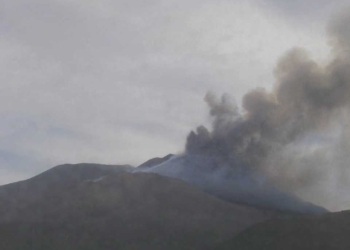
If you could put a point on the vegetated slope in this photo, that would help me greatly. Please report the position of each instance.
(88, 207)
(317, 232)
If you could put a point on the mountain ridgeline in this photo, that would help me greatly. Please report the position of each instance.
(93, 206)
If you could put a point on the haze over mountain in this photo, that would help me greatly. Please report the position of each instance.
(237, 184)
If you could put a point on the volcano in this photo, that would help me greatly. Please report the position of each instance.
(92, 206)
(237, 185)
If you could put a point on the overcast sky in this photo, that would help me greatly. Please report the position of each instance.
(120, 82)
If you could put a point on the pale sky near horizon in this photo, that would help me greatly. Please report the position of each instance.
(120, 82)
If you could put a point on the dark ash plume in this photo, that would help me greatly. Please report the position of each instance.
(307, 99)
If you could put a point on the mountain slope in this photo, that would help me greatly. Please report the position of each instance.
(154, 162)
(89, 207)
(236, 185)
(15, 197)
(317, 232)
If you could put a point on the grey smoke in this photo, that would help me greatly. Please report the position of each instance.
(272, 133)
(289, 143)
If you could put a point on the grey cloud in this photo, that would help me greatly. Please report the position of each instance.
(304, 9)
(109, 71)
(299, 5)
(339, 31)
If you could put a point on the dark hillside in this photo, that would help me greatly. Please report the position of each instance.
(314, 232)
(103, 210)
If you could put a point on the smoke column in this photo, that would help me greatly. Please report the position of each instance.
(298, 134)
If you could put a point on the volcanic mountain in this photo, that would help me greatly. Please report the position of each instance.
(174, 202)
(91, 206)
